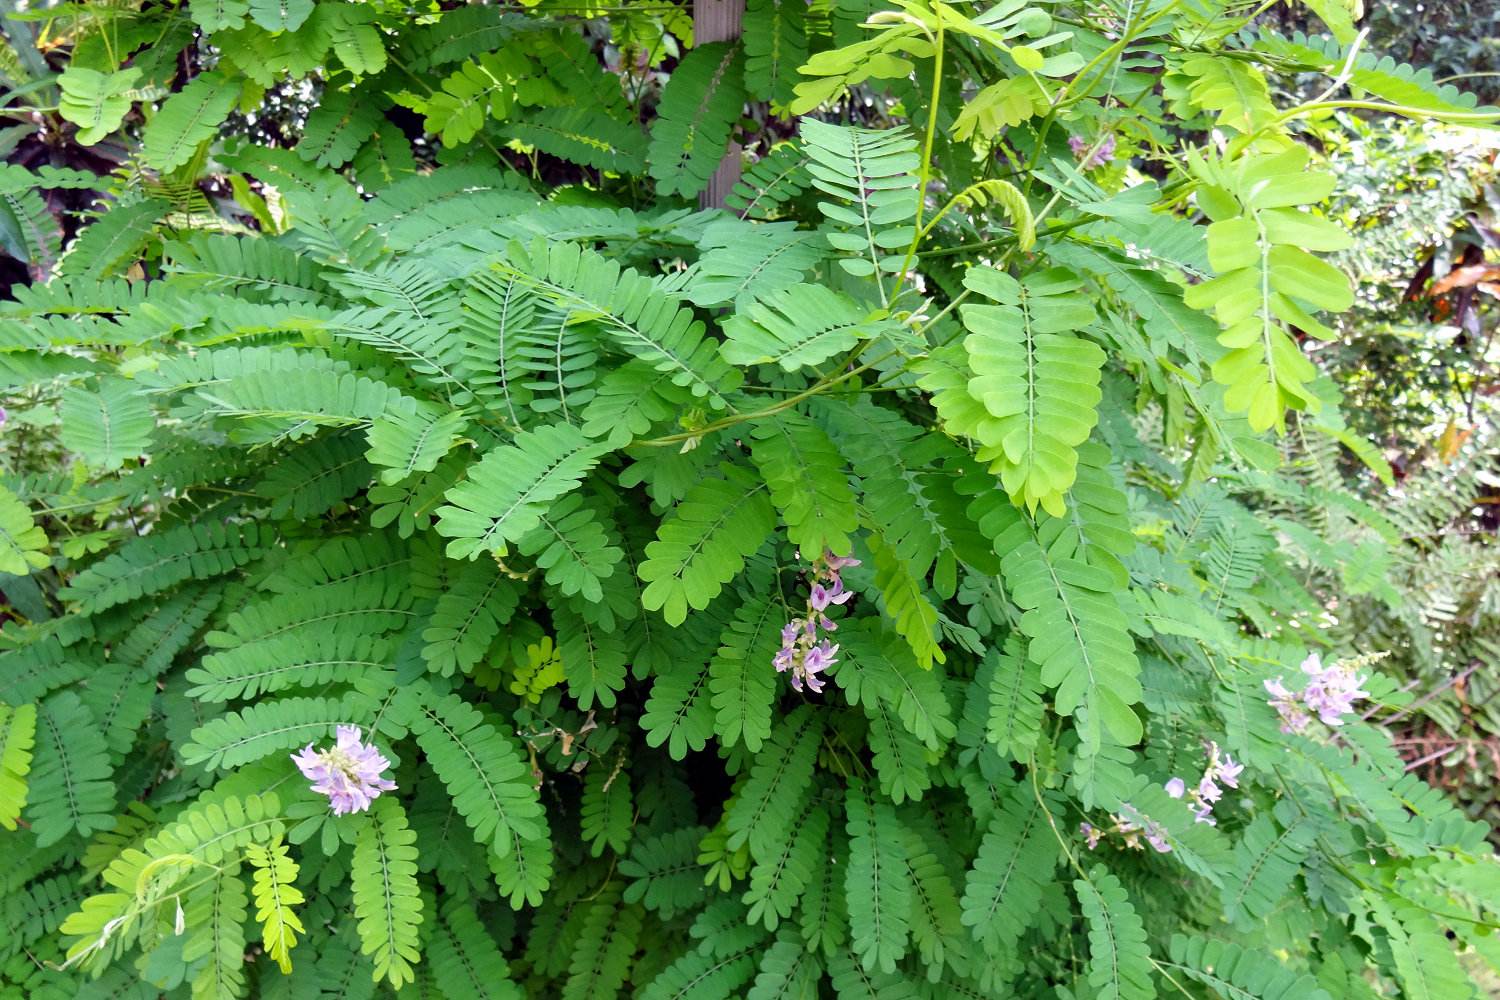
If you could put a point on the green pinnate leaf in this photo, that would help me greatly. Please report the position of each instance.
(877, 883)
(23, 544)
(192, 116)
(96, 102)
(702, 544)
(1119, 960)
(505, 494)
(1036, 379)
(387, 903)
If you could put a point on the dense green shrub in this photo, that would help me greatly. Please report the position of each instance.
(912, 580)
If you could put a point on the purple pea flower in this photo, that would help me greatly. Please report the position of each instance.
(804, 652)
(1330, 694)
(1176, 788)
(1105, 153)
(1293, 718)
(349, 772)
(819, 658)
(1229, 771)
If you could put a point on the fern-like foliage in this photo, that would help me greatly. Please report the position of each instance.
(480, 766)
(775, 330)
(640, 319)
(501, 498)
(780, 777)
(467, 961)
(71, 777)
(775, 45)
(761, 602)
(1233, 972)
(1037, 381)
(741, 263)
(1267, 859)
(386, 898)
(190, 117)
(741, 692)
(23, 543)
(1119, 960)
(804, 476)
(664, 871)
(467, 618)
(268, 726)
(698, 107)
(1268, 280)
(703, 544)
(215, 915)
(18, 726)
(871, 175)
(275, 894)
(878, 882)
(778, 177)
(1016, 863)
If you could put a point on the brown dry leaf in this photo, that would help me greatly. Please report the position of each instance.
(1452, 439)
(1463, 277)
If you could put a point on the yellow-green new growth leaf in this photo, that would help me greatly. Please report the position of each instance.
(1037, 380)
(1001, 105)
(386, 900)
(999, 192)
(1268, 283)
(23, 544)
(96, 102)
(1234, 88)
(17, 734)
(275, 895)
(914, 615)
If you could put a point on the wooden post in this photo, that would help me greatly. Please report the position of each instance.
(719, 21)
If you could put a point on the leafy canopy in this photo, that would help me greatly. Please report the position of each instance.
(440, 406)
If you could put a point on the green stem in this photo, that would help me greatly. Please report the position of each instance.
(924, 178)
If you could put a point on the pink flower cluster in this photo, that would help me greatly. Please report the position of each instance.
(348, 772)
(803, 650)
(1330, 694)
(1221, 768)
(1130, 831)
(1105, 153)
